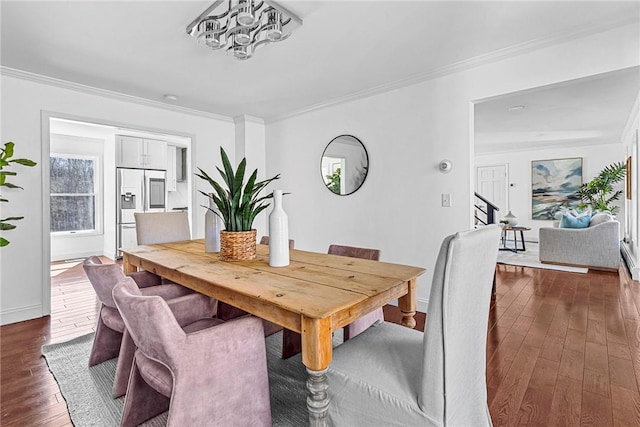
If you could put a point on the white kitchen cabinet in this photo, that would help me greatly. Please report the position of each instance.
(133, 152)
(171, 168)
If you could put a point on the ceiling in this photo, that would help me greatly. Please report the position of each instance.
(344, 49)
(587, 111)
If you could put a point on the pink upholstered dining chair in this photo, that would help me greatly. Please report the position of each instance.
(111, 339)
(292, 341)
(203, 370)
(375, 316)
(264, 240)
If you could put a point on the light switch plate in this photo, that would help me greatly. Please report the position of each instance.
(446, 200)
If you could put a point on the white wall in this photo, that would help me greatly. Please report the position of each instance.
(407, 132)
(594, 159)
(24, 265)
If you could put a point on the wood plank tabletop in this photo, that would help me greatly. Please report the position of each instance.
(314, 284)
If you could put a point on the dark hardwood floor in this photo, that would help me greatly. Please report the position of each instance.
(563, 349)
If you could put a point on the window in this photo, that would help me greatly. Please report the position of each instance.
(74, 187)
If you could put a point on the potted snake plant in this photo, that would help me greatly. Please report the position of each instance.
(237, 203)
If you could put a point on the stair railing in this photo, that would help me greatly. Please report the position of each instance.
(485, 211)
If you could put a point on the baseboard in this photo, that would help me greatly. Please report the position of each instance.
(629, 259)
(20, 314)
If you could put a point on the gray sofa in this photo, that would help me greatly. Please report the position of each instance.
(596, 247)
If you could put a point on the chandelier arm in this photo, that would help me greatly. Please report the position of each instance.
(205, 14)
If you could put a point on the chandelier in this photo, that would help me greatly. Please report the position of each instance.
(241, 26)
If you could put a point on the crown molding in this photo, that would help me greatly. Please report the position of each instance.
(65, 84)
(248, 119)
(497, 55)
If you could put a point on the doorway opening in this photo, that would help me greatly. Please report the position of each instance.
(79, 181)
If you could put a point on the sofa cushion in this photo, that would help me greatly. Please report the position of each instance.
(578, 213)
(570, 221)
(600, 217)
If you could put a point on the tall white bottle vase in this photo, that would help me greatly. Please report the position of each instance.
(278, 233)
(212, 227)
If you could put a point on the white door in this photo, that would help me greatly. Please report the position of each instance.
(491, 183)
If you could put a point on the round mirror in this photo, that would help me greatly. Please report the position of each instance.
(345, 165)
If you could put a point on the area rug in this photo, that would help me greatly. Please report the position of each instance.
(529, 258)
(87, 391)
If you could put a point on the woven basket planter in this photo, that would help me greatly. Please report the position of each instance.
(237, 245)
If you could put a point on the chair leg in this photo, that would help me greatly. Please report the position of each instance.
(142, 402)
(125, 361)
(291, 343)
(106, 343)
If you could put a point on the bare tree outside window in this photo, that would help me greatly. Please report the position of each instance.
(73, 193)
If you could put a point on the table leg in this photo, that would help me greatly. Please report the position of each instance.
(408, 304)
(522, 239)
(515, 241)
(317, 400)
(126, 265)
(317, 350)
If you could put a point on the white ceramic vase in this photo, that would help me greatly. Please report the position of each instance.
(278, 233)
(513, 220)
(212, 226)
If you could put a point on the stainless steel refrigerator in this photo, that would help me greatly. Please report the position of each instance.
(138, 190)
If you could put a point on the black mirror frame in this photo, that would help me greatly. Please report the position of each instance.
(366, 155)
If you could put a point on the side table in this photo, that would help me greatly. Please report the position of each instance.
(515, 230)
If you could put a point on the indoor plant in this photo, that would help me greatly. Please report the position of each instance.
(598, 193)
(6, 154)
(238, 205)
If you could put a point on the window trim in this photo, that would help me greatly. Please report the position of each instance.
(97, 194)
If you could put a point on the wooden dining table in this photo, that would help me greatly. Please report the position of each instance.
(314, 295)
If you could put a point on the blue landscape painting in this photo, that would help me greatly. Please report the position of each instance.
(554, 186)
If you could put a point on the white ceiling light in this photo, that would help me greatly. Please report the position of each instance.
(241, 26)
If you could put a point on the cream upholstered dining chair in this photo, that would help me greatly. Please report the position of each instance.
(111, 339)
(206, 372)
(435, 378)
(292, 341)
(162, 227)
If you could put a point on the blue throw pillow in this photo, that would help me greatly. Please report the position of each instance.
(570, 221)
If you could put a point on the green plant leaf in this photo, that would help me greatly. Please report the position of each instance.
(12, 218)
(8, 150)
(228, 176)
(4, 226)
(24, 162)
(10, 185)
(3, 242)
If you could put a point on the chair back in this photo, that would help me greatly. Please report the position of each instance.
(454, 369)
(103, 277)
(162, 227)
(354, 252)
(149, 320)
(264, 240)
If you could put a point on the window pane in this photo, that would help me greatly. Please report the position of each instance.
(70, 175)
(72, 213)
